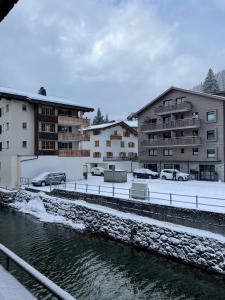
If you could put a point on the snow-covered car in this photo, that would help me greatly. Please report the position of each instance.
(145, 173)
(97, 171)
(169, 174)
(48, 178)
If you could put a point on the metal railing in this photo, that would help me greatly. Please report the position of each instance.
(184, 200)
(185, 106)
(176, 124)
(177, 141)
(120, 158)
(49, 285)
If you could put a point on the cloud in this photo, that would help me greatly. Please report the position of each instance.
(112, 54)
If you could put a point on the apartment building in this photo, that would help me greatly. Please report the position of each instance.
(113, 144)
(184, 129)
(34, 126)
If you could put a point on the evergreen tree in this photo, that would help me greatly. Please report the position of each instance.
(210, 85)
(98, 119)
(106, 119)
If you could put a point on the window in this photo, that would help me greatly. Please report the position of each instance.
(131, 144)
(211, 153)
(182, 150)
(7, 145)
(0, 129)
(49, 111)
(194, 132)
(7, 108)
(115, 132)
(48, 127)
(211, 135)
(126, 134)
(96, 143)
(122, 144)
(167, 135)
(96, 154)
(0, 146)
(195, 151)
(0, 112)
(167, 102)
(24, 125)
(122, 154)
(108, 143)
(109, 154)
(65, 145)
(48, 145)
(166, 119)
(211, 116)
(167, 152)
(131, 154)
(7, 126)
(96, 132)
(152, 152)
(24, 107)
(152, 137)
(180, 100)
(168, 166)
(24, 144)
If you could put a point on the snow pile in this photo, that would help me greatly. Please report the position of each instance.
(34, 206)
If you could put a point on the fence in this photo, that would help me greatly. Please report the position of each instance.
(40, 278)
(173, 199)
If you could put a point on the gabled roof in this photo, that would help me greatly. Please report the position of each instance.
(173, 88)
(37, 98)
(110, 125)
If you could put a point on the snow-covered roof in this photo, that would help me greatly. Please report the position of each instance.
(34, 97)
(133, 124)
(216, 97)
(110, 124)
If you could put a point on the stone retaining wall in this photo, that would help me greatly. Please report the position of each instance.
(205, 220)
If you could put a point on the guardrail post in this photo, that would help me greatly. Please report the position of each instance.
(170, 199)
(86, 188)
(75, 186)
(196, 201)
(113, 191)
(148, 195)
(99, 189)
(129, 193)
(50, 186)
(7, 263)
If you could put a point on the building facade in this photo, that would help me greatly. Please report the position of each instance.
(37, 125)
(185, 130)
(113, 143)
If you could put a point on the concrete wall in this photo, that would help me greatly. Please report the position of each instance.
(9, 171)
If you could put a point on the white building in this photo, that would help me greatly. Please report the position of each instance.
(40, 133)
(114, 143)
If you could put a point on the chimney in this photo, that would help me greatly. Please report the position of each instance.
(220, 93)
(42, 91)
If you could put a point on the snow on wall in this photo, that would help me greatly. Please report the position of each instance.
(193, 246)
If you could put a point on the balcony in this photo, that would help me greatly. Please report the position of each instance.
(47, 118)
(115, 137)
(51, 136)
(76, 121)
(75, 153)
(173, 142)
(173, 125)
(173, 108)
(72, 137)
(120, 158)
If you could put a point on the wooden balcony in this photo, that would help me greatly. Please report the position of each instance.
(173, 108)
(72, 137)
(173, 142)
(66, 120)
(173, 125)
(75, 153)
(116, 137)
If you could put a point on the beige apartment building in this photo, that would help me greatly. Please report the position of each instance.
(183, 129)
(40, 133)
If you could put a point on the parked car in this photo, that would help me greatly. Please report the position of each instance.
(168, 174)
(145, 173)
(97, 171)
(48, 178)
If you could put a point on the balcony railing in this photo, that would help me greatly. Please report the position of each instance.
(116, 137)
(69, 136)
(177, 124)
(66, 120)
(51, 136)
(181, 107)
(77, 153)
(120, 158)
(47, 118)
(181, 141)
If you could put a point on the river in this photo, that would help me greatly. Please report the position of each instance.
(93, 268)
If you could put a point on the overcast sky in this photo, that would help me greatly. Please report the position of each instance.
(112, 54)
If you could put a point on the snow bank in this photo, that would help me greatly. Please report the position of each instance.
(36, 208)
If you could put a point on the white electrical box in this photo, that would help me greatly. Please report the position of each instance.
(139, 190)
